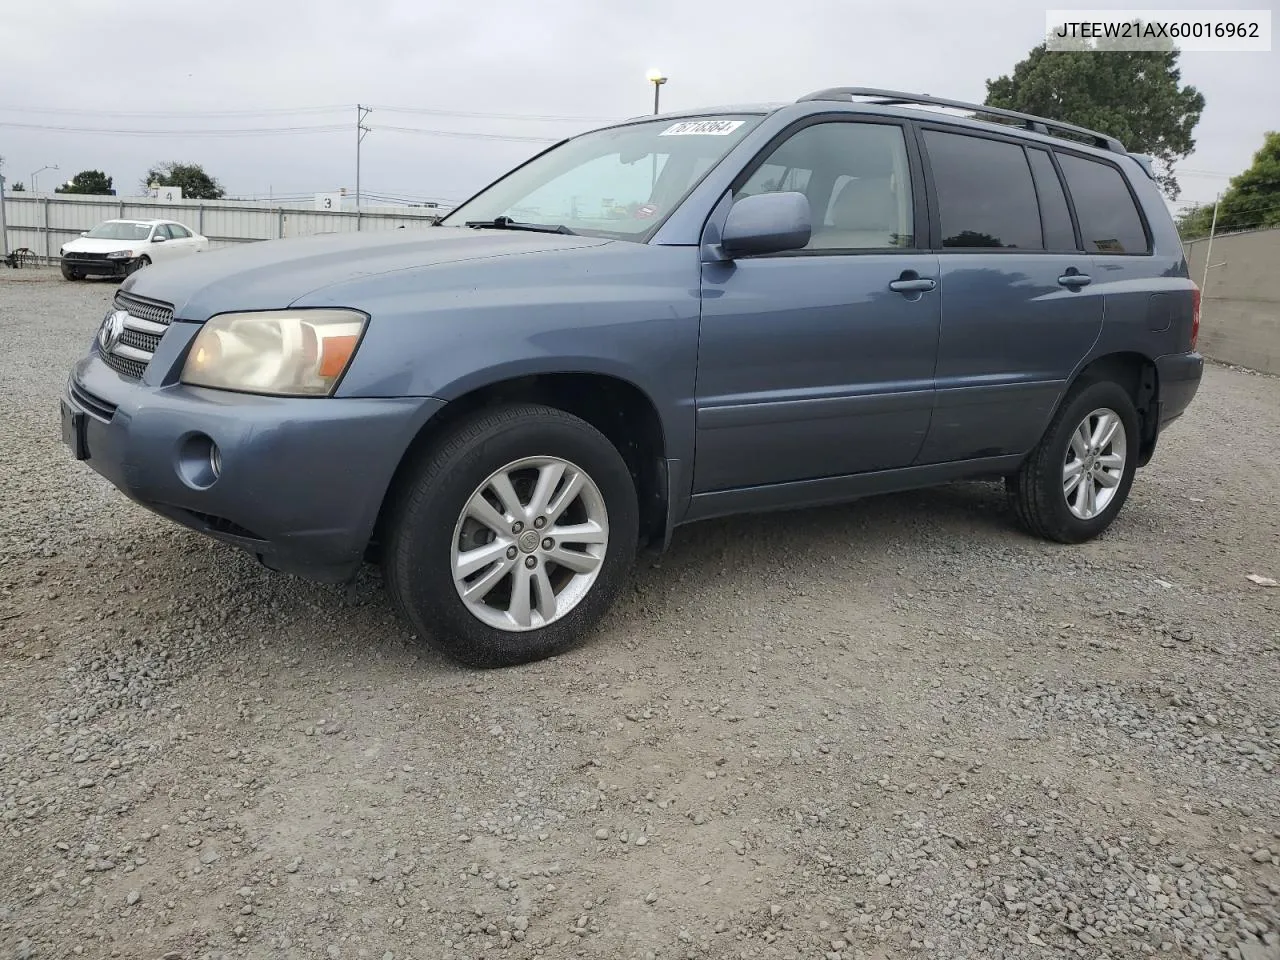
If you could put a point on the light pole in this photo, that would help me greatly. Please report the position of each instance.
(37, 173)
(657, 79)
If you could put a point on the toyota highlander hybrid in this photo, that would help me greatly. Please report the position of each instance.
(653, 323)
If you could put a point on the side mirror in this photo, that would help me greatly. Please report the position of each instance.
(767, 223)
(159, 238)
(84, 233)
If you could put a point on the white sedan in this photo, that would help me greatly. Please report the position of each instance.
(117, 248)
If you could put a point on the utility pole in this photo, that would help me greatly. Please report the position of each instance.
(1208, 253)
(361, 113)
(4, 227)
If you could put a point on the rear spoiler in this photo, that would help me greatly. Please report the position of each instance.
(1145, 162)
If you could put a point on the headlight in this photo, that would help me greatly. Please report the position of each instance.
(287, 352)
(119, 254)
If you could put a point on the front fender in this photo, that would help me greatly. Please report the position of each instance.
(623, 310)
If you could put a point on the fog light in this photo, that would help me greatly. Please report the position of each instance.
(199, 461)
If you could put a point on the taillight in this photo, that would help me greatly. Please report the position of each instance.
(1195, 315)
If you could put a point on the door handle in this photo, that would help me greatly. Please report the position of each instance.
(912, 286)
(1074, 280)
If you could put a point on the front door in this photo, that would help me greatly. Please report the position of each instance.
(819, 363)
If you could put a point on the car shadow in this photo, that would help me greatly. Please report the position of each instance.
(274, 614)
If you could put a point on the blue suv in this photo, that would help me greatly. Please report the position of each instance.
(657, 322)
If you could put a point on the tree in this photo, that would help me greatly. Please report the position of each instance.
(195, 183)
(1253, 198)
(1135, 96)
(91, 182)
(19, 187)
(1251, 201)
(1195, 221)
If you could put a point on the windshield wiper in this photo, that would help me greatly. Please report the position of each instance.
(506, 223)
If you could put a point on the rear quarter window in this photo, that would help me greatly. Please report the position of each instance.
(1109, 218)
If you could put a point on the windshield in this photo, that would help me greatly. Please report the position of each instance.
(117, 230)
(619, 182)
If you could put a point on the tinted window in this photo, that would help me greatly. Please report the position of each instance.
(857, 178)
(1109, 221)
(985, 194)
(1058, 234)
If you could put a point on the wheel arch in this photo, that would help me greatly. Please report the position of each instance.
(615, 406)
(1137, 374)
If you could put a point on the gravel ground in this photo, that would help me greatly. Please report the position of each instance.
(897, 728)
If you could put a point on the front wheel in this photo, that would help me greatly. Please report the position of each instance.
(1075, 481)
(136, 265)
(513, 537)
(68, 273)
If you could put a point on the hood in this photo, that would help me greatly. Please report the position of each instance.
(93, 245)
(272, 274)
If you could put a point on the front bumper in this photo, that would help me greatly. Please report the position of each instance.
(98, 268)
(301, 480)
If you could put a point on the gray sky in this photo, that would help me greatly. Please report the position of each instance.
(576, 58)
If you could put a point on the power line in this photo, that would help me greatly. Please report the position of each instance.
(175, 114)
(549, 118)
(203, 132)
(469, 135)
(229, 132)
(279, 111)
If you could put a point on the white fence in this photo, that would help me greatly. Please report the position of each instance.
(43, 223)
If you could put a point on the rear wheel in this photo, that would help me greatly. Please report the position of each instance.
(513, 537)
(1075, 481)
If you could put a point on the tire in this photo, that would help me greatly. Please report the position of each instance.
(1038, 491)
(136, 265)
(69, 274)
(432, 524)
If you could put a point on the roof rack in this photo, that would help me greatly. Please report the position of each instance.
(1027, 120)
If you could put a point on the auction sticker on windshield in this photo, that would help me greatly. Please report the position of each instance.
(712, 128)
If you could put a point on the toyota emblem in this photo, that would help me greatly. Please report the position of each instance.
(111, 331)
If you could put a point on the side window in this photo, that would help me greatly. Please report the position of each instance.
(857, 178)
(159, 230)
(775, 178)
(1058, 234)
(178, 232)
(985, 194)
(1109, 221)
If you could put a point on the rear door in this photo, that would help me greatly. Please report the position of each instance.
(1118, 238)
(1019, 308)
(182, 239)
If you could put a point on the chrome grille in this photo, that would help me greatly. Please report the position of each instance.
(154, 310)
(133, 369)
(140, 340)
(144, 324)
